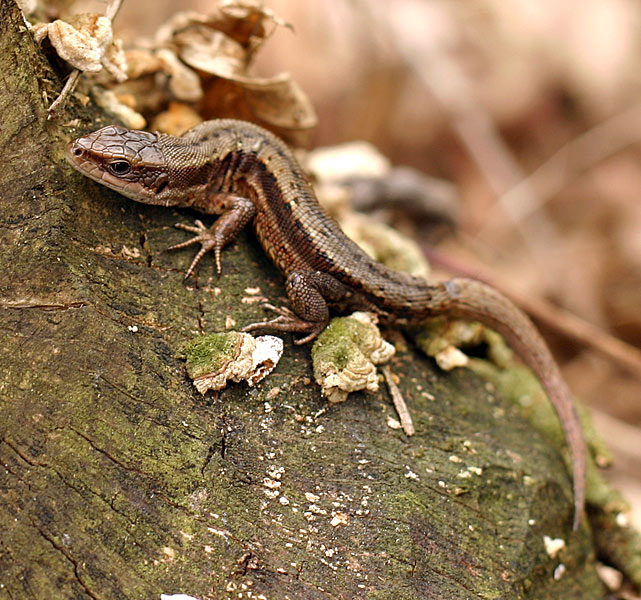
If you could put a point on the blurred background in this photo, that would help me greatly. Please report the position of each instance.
(532, 109)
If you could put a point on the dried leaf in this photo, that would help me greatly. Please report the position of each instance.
(278, 104)
(184, 83)
(211, 51)
(176, 120)
(142, 62)
(241, 20)
(86, 43)
(219, 48)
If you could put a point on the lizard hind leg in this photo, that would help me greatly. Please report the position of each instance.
(308, 292)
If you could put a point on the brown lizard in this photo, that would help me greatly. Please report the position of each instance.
(246, 174)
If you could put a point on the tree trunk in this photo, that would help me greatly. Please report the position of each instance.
(119, 480)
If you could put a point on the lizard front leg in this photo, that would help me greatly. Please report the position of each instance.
(309, 292)
(236, 212)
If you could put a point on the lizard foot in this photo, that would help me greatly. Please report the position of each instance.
(208, 241)
(288, 321)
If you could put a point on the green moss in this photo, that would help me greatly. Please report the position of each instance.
(341, 338)
(209, 353)
(335, 344)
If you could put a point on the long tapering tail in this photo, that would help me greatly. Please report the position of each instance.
(471, 299)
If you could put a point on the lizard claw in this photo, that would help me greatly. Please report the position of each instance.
(207, 240)
(288, 321)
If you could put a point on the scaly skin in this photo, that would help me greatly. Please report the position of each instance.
(244, 173)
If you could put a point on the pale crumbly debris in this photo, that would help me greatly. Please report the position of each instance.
(273, 393)
(393, 423)
(86, 42)
(339, 518)
(108, 101)
(214, 359)
(339, 163)
(129, 252)
(468, 471)
(559, 572)
(450, 358)
(553, 545)
(345, 354)
(612, 578)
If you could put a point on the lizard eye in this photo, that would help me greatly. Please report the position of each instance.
(119, 167)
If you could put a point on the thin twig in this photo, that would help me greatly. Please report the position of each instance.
(617, 434)
(67, 90)
(399, 402)
(575, 157)
(442, 76)
(110, 12)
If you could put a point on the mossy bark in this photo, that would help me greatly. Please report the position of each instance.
(117, 480)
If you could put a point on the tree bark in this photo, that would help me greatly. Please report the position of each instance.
(119, 481)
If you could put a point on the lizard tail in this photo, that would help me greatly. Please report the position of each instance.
(472, 299)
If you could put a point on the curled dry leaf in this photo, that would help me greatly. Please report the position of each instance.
(184, 84)
(142, 62)
(86, 42)
(240, 20)
(206, 59)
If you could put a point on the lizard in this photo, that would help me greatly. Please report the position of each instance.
(243, 173)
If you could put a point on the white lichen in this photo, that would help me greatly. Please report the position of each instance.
(345, 356)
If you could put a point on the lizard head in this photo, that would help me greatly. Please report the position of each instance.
(128, 161)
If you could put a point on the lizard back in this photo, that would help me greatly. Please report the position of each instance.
(295, 231)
